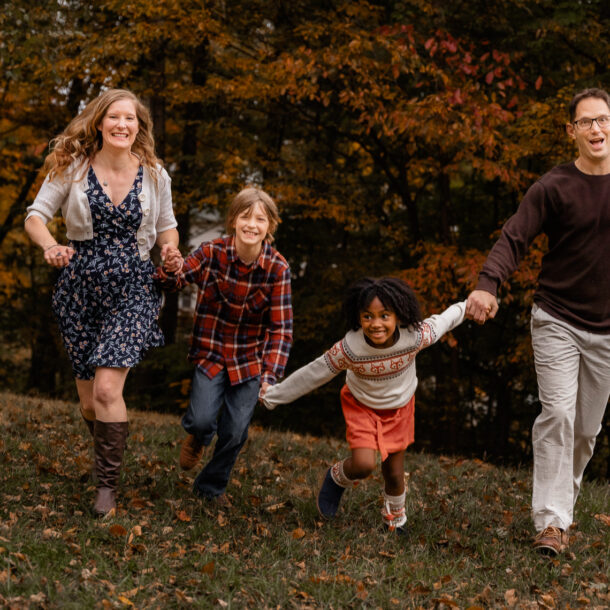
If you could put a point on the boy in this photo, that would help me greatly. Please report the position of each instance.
(241, 336)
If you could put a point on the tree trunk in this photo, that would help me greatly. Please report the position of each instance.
(187, 174)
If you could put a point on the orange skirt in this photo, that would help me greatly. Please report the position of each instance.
(385, 430)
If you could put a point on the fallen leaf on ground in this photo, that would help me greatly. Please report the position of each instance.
(117, 530)
(510, 597)
(605, 519)
(182, 516)
(298, 533)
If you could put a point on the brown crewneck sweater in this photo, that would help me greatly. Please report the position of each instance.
(573, 210)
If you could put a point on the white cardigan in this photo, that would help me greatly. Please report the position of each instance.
(69, 194)
(380, 378)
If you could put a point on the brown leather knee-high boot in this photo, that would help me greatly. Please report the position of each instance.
(109, 440)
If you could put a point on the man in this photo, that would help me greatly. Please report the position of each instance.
(570, 321)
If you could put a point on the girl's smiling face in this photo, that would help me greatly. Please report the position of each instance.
(378, 324)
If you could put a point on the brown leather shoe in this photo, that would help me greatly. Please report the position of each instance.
(551, 540)
(190, 452)
(105, 502)
(222, 501)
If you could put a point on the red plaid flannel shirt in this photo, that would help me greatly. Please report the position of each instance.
(243, 318)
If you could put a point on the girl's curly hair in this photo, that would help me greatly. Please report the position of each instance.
(395, 294)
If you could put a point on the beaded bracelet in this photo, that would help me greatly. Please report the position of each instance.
(49, 247)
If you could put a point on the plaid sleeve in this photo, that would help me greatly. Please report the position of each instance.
(278, 339)
(191, 272)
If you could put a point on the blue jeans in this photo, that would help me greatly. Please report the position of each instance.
(204, 418)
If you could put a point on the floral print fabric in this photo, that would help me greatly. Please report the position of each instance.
(105, 300)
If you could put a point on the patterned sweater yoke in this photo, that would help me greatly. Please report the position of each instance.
(372, 366)
(378, 378)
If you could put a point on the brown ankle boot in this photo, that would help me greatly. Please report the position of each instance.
(109, 442)
(190, 452)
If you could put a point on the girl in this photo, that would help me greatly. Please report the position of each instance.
(241, 337)
(378, 354)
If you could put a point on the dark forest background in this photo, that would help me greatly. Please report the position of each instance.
(396, 137)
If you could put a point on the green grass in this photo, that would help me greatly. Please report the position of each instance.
(468, 542)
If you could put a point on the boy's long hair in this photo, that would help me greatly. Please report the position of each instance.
(244, 201)
(82, 139)
(395, 295)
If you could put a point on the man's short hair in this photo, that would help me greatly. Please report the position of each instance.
(581, 95)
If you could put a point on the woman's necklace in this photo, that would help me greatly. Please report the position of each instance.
(120, 171)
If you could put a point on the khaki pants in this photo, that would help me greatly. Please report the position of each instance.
(573, 370)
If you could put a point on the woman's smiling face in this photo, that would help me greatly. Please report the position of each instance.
(119, 126)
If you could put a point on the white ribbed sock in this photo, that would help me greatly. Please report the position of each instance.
(393, 510)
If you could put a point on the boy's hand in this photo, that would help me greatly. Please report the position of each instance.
(171, 258)
(264, 387)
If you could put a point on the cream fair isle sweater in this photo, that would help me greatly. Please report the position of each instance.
(378, 378)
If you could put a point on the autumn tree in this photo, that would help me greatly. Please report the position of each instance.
(396, 137)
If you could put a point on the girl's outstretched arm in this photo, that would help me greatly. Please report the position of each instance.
(301, 382)
(434, 327)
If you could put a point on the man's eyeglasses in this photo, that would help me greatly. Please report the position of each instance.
(603, 122)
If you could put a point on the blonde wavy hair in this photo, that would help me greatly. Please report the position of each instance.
(81, 140)
(244, 201)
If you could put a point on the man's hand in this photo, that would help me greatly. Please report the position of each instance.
(481, 306)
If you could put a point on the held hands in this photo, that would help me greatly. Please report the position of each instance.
(481, 306)
(264, 387)
(58, 256)
(171, 258)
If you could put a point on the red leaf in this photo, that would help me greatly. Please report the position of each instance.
(182, 516)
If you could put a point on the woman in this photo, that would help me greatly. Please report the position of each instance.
(116, 202)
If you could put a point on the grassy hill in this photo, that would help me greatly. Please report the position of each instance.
(468, 542)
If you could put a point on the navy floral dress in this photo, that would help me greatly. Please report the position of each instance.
(105, 300)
